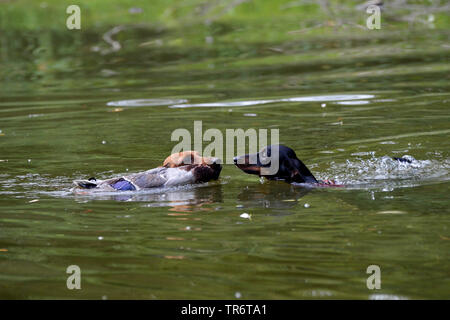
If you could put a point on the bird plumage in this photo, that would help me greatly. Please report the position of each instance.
(178, 169)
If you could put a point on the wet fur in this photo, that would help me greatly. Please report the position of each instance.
(291, 169)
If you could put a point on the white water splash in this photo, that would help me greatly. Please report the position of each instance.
(386, 173)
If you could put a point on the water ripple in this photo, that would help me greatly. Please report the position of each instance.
(145, 102)
(344, 97)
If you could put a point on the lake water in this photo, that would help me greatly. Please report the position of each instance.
(70, 108)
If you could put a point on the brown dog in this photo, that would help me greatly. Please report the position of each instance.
(178, 169)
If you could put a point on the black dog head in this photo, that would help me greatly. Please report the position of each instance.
(288, 167)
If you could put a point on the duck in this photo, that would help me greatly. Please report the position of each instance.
(181, 168)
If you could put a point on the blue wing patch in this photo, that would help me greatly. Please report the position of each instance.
(123, 185)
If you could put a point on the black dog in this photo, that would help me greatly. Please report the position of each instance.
(290, 168)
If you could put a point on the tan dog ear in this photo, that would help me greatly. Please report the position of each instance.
(196, 158)
(182, 158)
(172, 160)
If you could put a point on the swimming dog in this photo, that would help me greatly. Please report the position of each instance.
(290, 168)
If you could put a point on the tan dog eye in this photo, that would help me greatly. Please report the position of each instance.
(185, 160)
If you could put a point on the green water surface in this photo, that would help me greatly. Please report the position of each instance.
(191, 243)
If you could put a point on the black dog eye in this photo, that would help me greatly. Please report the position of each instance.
(263, 156)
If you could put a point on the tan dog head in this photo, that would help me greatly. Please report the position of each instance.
(188, 158)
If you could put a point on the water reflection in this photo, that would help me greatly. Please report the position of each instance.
(145, 102)
(348, 98)
(272, 194)
(185, 198)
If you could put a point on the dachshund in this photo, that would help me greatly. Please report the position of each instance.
(290, 168)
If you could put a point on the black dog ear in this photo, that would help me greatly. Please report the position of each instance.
(296, 177)
(299, 172)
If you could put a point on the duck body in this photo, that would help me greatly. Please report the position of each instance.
(174, 172)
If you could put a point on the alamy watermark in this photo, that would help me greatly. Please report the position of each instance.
(374, 280)
(74, 20)
(74, 280)
(256, 141)
(374, 20)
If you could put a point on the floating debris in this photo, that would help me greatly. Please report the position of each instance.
(306, 205)
(174, 257)
(33, 201)
(245, 215)
(116, 110)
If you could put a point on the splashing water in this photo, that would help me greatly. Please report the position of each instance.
(387, 173)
